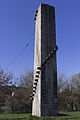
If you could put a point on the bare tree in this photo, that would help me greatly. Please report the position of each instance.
(26, 79)
(5, 78)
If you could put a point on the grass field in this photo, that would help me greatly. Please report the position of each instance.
(72, 115)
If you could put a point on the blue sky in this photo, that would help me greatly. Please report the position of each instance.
(17, 28)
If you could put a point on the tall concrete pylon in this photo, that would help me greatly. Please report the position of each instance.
(45, 100)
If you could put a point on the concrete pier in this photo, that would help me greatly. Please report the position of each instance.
(45, 100)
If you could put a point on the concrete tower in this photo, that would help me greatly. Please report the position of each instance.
(45, 100)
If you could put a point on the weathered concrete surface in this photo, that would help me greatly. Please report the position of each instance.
(45, 102)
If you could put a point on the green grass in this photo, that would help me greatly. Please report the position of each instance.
(75, 113)
(14, 116)
(29, 117)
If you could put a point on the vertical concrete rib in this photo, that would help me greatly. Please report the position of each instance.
(45, 101)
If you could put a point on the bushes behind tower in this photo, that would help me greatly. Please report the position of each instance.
(15, 98)
(69, 93)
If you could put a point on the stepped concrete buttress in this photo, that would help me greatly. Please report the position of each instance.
(45, 100)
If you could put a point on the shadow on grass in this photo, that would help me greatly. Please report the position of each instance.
(63, 115)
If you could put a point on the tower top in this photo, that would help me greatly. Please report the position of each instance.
(42, 4)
